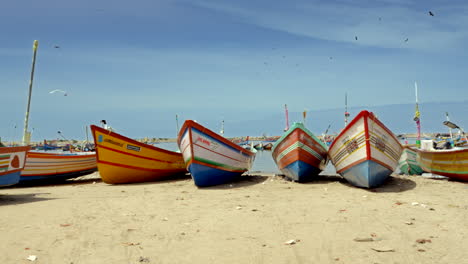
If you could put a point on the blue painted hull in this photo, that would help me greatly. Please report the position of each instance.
(367, 174)
(10, 178)
(204, 176)
(300, 171)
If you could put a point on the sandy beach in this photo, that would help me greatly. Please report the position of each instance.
(257, 219)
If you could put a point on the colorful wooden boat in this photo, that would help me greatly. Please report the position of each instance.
(123, 160)
(452, 163)
(366, 152)
(210, 158)
(43, 166)
(12, 160)
(408, 164)
(267, 145)
(299, 154)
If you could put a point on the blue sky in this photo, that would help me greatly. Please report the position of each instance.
(138, 63)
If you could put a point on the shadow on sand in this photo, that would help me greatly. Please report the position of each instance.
(170, 179)
(13, 199)
(43, 183)
(239, 182)
(395, 185)
(391, 184)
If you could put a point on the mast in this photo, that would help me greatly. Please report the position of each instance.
(417, 115)
(450, 129)
(287, 117)
(177, 124)
(222, 128)
(26, 134)
(304, 115)
(346, 114)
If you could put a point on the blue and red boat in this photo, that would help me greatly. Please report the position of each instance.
(210, 158)
(299, 154)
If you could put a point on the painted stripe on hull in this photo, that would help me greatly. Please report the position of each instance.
(300, 171)
(127, 174)
(368, 174)
(9, 179)
(300, 155)
(204, 176)
(450, 163)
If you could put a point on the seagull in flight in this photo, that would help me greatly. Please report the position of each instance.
(59, 91)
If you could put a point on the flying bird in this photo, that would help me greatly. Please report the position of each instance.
(355, 37)
(59, 91)
(406, 40)
(431, 14)
(57, 47)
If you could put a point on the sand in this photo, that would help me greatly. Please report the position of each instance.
(412, 219)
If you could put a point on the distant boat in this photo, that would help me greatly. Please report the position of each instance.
(12, 160)
(43, 166)
(408, 163)
(124, 160)
(258, 146)
(452, 163)
(299, 154)
(366, 152)
(210, 158)
(267, 145)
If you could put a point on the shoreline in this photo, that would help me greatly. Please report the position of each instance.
(251, 138)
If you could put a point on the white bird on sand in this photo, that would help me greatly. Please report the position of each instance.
(58, 90)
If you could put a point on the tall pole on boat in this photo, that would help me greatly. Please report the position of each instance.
(26, 134)
(287, 117)
(448, 119)
(87, 141)
(177, 124)
(417, 115)
(304, 115)
(346, 114)
(222, 128)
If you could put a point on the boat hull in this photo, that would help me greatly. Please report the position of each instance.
(299, 155)
(210, 158)
(450, 163)
(12, 161)
(363, 140)
(408, 163)
(42, 166)
(124, 160)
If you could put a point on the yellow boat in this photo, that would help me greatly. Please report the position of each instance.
(124, 160)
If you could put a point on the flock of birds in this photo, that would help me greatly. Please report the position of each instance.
(406, 40)
(355, 37)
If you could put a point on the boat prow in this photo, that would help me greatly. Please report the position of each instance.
(366, 152)
(210, 158)
(299, 154)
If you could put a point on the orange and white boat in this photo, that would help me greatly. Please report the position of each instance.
(43, 166)
(123, 160)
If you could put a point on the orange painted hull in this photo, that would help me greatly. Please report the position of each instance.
(450, 163)
(124, 160)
